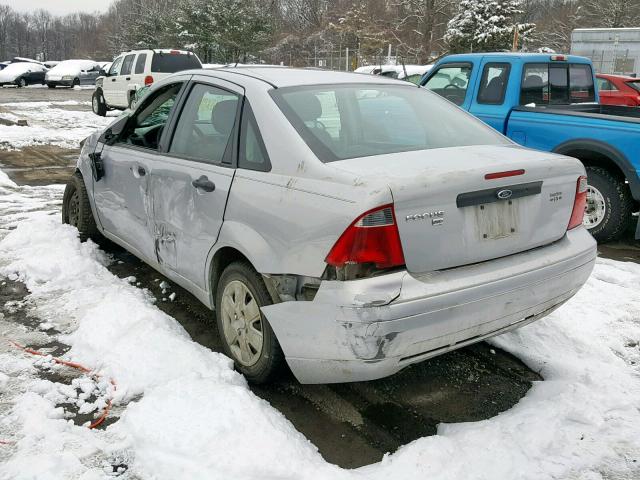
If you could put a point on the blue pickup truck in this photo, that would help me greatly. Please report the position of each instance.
(550, 102)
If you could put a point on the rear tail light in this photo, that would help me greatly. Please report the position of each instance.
(148, 80)
(508, 173)
(372, 238)
(558, 58)
(579, 204)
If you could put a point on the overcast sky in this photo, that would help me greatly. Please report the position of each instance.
(58, 7)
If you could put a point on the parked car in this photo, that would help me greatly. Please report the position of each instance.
(134, 69)
(22, 74)
(347, 249)
(550, 102)
(619, 90)
(410, 73)
(71, 73)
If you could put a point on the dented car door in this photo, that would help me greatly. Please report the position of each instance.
(190, 183)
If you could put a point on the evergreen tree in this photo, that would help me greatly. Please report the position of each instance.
(485, 25)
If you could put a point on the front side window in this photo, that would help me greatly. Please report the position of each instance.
(350, 121)
(126, 65)
(556, 84)
(451, 82)
(147, 124)
(115, 66)
(204, 129)
(493, 84)
(142, 59)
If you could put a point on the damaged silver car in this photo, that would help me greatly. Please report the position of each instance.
(346, 226)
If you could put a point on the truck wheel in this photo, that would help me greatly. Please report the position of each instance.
(76, 210)
(98, 104)
(609, 205)
(246, 335)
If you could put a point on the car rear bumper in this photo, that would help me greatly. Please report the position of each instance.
(60, 83)
(366, 329)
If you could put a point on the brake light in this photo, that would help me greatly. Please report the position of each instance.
(579, 204)
(372, 238)
(558, 58)
(148, 80)
(508, 173)
(174, 52)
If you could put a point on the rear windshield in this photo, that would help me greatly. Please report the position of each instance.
(360, 120)
(557, 84)
(174, 62)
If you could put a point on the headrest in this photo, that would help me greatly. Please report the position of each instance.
(307, 106)
(533, 81)
(223, 115)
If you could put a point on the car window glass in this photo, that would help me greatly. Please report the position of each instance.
(115, 66)
(581, 84)
(558, 82)
(142, 58)
(493, 84)
(252, 154)
(146, 126)
(351, 121)
(535, 84)
(126, 65)
(450, 82)
(204, 129)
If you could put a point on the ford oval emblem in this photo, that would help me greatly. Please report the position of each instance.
(504, 194)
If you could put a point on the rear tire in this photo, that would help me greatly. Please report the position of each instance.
(609, 204)
(75, 83)
(98, 104)
(21, 83)
(76, 209)
(240, 322)
(51, 85)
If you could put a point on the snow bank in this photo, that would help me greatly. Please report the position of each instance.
(192, 416)
(50, 123)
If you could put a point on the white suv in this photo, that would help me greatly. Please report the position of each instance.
(131, 70)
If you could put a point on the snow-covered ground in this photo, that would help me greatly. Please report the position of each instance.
(184, 412)
(49, 123)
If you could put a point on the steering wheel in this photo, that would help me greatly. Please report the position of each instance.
(453, 85)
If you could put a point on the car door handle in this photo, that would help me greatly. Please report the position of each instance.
(113, 79)
(203, 183)
(128, 78)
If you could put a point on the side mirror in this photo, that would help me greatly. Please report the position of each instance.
(103, 73)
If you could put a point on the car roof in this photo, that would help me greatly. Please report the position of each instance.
(626, 78)
(279, 77)
(529, 56)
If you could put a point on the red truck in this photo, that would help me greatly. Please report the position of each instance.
(619, 90)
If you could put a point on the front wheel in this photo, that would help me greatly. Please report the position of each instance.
(245, 333)
(75, 83)
(51, 85)
(609, 205)
(98, 104)
(21, 83)
(76, 210)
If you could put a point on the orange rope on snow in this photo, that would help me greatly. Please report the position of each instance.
(77, 366)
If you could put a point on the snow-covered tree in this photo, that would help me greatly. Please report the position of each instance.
(222, 30)
(485, 25)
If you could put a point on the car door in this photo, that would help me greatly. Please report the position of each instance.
(190, 184)
(109, 84)
(121, 195)
(124, 79)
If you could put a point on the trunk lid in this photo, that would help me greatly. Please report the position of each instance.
(449, 215)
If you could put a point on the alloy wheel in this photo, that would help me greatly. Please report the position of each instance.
(74, 209)
(242, 323)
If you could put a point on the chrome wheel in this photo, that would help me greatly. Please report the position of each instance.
(242, 323)
(74, 209)
(596, 208)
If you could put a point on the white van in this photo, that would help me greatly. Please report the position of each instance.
(116, 88)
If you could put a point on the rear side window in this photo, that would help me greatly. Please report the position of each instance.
(142, 59)
(127, 64)
(173, 62)
(635, 84)
(252, 154)
(604, 84)
(204, 129)
(556, 84)
(493, 84)
(451, 81)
